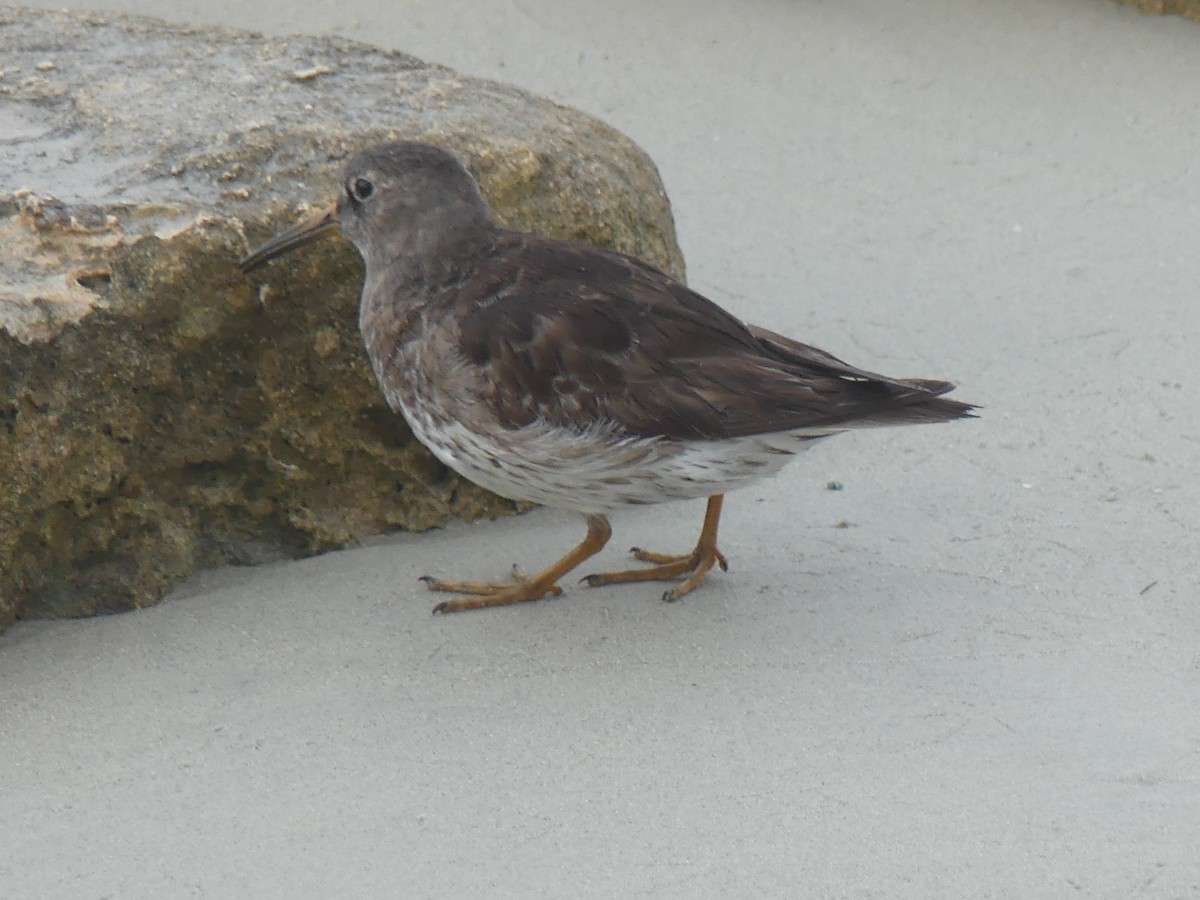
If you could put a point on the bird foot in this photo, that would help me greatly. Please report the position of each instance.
(491, 593)
(670, 559)
(521, 589)
(667, 566)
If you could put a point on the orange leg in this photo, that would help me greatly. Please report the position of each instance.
(694, 565)
(521, 589)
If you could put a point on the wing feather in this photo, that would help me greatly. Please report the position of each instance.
(575, 335)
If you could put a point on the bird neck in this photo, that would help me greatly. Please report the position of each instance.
(434, 249)
(398, 286)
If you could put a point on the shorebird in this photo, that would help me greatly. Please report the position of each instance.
(573, 376)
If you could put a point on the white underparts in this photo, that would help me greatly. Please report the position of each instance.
(595, 470)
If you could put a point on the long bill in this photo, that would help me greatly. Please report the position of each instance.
(304, 232)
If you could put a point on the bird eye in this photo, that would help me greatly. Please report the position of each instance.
(360, 189)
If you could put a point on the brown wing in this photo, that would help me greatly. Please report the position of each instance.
(573, 334)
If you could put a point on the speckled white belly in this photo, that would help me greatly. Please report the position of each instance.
(591, 470)
(596, 471)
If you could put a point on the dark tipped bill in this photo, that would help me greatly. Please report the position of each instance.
(311, 229)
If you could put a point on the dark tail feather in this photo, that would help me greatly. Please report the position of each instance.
(937, 388)
(934, 409)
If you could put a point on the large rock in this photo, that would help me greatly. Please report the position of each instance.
(159, 411)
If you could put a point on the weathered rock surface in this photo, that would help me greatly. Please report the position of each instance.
(1189, 9)
(159, 411)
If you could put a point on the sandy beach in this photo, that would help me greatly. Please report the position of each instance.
(971, 671)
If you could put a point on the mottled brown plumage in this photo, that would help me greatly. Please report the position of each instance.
(641, 350)
(575, 376)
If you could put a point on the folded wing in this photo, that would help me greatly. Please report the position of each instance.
(597, 338)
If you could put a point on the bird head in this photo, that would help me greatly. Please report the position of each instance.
(399, 199)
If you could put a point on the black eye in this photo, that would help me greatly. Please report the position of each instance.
(360, 189)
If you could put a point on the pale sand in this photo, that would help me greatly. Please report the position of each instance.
(972, 692)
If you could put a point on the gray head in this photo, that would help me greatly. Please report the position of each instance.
(401, 200)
